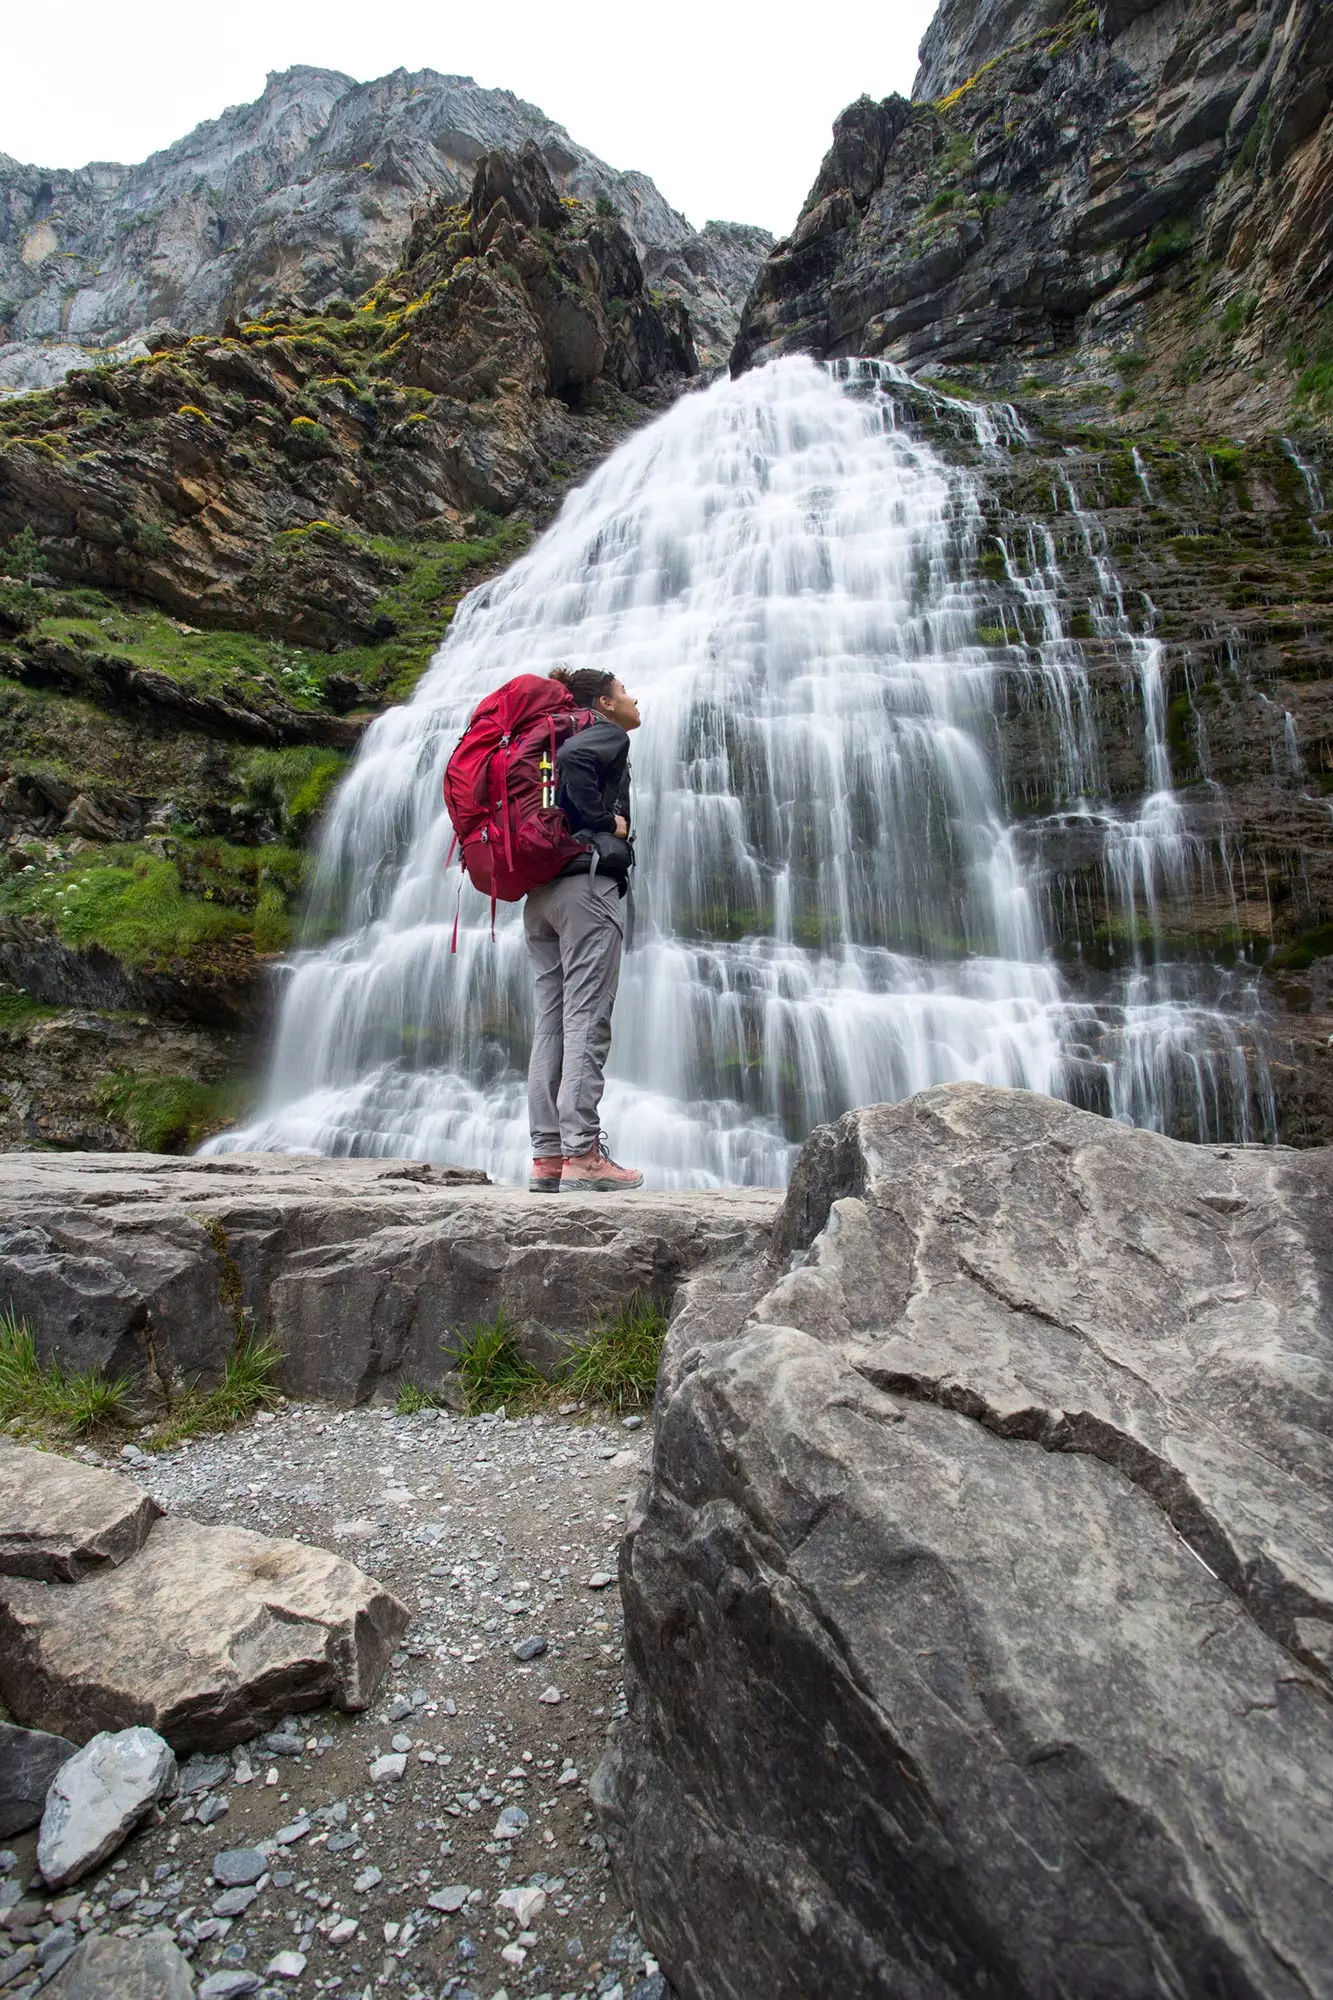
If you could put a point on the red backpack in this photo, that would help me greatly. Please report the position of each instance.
(500, 784)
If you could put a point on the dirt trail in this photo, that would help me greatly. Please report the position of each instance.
(498, 1535)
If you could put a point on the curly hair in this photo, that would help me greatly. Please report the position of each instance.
(584, 683)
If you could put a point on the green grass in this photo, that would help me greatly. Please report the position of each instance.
(149, 911)
(17, 1012)
(617, 1365)
(247, 1383)
(1168, 242)
(492, 1374)
(169, 1114)
(295, 784)
(411, 1398)
(46, 1399)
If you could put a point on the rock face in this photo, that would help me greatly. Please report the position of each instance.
(1083, 194)
(262, 461)
(364, 1272)
(303, 197)
(84, 1521)
(204, 1634)
(29, 1760)
(979, 1605)
(97, 1797)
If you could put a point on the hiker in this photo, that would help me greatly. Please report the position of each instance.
(575, 928)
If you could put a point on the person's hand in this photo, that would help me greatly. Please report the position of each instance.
(622, 826)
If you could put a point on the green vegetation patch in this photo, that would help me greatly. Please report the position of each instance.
(169, 1114)
(47, 1401)
(247, 1385)
(1170, 241)
(618, 1364)
(492, 1374)
(151, 911)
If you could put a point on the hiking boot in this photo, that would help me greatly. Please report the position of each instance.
(596, 1172)
(546, 1177)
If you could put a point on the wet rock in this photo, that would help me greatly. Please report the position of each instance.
(112, 1968)
(994, 1543)
(97, 1797)
(29, 1760)
(204, 1635)
(59, 1519)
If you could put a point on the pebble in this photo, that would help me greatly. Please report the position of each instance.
(512, 1822)
(237, 1867)
(228, 1985)
(600, 1579)
(284, 1743)
(551, 1695)
(286, 1965)
(201, 1774)
(398, 1708)
(525, 1905)
(234, 1902)
(529, 1649)
(297, 1830)
(344, 1930)
(388, 1769)
(212, 1808)
(401, 1744)
(369, 1878)
(450, 1899)
(632, 1423)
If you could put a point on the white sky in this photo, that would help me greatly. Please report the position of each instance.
(729, 113)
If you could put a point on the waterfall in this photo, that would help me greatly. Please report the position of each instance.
(836, 904)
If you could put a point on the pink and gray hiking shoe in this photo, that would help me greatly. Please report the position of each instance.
(596, 1172)
(546, 1176)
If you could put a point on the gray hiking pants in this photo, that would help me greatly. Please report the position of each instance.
(575, 928)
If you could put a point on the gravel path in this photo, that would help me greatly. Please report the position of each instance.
(441, 1843)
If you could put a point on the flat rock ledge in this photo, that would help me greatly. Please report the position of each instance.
(204, 1634)
(979, 1602)
(363, 1272)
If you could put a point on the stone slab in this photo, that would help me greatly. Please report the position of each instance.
(60, 1519)
(364, 1272)
(208, 1636)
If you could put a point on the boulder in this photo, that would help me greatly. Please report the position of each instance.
(209, 1635)
(60, 1519)
(29, 1760)
(97, 1798)
(112, 1968)
(979, 1602)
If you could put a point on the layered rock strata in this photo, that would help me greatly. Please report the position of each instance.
(302, 199)
(979, 1606)
(365, 1273)
(1114, 198)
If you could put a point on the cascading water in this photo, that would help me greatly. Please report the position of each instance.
(833, 902)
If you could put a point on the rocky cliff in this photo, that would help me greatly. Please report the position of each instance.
(1120, 207)
(221, 559)
(300, 200)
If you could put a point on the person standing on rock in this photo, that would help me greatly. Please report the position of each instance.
(575, 927)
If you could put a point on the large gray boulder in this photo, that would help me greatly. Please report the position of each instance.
(979, 1603)
(59, 1519)
(207, 1635)
(98, 1797)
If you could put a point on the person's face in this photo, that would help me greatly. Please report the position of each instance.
(617, 706)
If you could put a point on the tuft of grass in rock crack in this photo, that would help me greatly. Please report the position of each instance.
(492, 1374)
(46, 1398)
(247, 1382)
(617, 1365)
(411, 1398)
